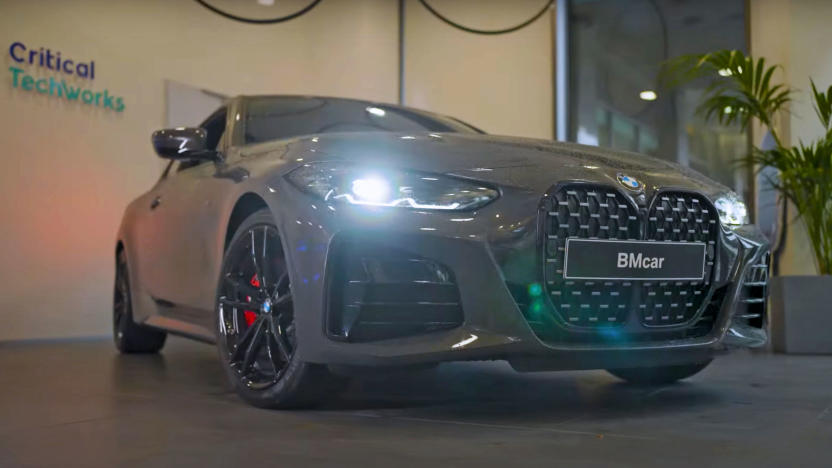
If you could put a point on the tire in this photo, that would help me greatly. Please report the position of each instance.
(130, 337)
(658, 375)
(255, 323)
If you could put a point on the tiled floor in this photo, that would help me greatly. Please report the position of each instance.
(81, 404)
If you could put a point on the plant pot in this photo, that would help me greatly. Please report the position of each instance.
(801, 314)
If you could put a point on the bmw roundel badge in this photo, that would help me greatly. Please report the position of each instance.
(629, 183)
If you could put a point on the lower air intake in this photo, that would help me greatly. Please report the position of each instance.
(379, 293)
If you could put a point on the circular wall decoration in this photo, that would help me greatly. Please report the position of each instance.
(487, 31)
(259, 12)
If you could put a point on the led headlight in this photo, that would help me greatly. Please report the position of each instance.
(732, 211)
(346, 183)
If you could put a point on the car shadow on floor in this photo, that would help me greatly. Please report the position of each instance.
(466, 391)
(495, 391)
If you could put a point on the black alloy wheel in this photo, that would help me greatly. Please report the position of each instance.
(130, 337)
(121, 299)
(257, 340)
(256, 317)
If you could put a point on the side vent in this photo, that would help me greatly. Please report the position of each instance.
(752, 308)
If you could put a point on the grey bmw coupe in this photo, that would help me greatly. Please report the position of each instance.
(311, 237)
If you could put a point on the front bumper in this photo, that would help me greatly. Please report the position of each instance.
(488, 251)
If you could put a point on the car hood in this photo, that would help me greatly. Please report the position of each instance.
(523, 163)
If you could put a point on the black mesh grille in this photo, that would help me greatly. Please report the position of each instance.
(598, 212)
(679, 217)
(587, 212)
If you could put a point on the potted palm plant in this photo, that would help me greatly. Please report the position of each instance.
(742, 90)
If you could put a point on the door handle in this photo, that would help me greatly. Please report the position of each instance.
(156, 202)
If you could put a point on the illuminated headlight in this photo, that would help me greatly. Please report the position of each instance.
(732, 211)
(356, 185)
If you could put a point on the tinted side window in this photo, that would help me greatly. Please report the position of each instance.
(274, 118)
(215, 127)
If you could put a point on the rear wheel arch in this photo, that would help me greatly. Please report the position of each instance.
(121, 250)
(130, 337)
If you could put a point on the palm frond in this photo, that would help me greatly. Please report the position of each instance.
(805, 179)
(823, 105)
(741, 89)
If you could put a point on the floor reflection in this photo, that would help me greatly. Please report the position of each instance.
(90, 405)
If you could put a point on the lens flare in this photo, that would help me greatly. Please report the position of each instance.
(535, 290)
(374, 190)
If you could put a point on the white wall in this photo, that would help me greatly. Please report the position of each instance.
(795, 34)
(809, 57)
(69, 169)
(187, 106)
(502, 83)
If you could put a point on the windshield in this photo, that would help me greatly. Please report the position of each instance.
(274, 118)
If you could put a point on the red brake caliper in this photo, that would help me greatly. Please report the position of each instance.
(248, 315)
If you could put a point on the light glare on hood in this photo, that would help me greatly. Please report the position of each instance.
(342, 182)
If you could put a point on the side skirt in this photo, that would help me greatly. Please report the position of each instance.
(178, 327)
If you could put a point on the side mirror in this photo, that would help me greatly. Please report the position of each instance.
(183, 144)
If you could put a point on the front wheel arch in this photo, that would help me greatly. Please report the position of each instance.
(246, 205)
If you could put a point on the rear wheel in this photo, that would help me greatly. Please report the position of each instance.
(129, 336)
(658, 375)
(256, 322)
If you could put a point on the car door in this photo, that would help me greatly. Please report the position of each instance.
(185, 222)
(147, 244)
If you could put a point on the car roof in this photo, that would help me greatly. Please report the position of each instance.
(358, 101)
(332, 98)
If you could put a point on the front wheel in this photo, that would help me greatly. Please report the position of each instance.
(658, 375)
(256, 322)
